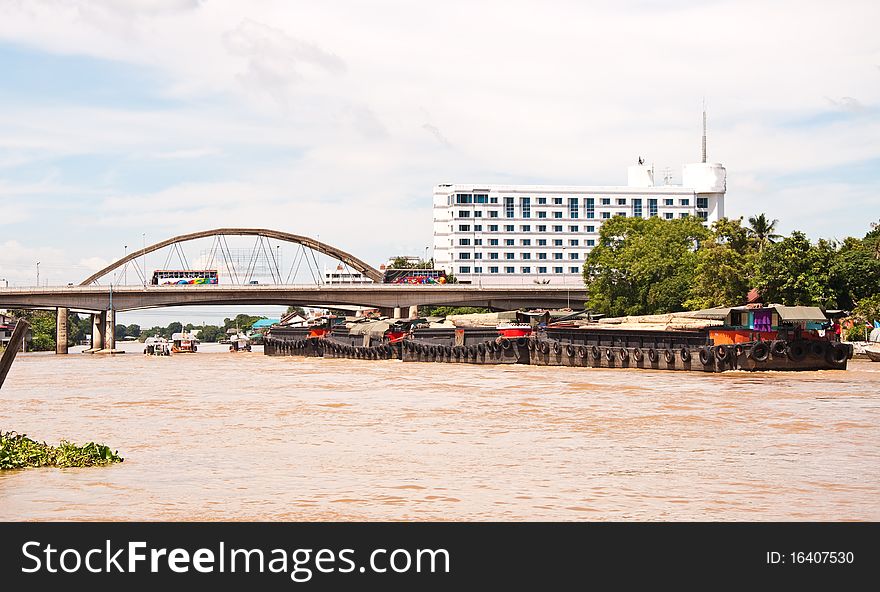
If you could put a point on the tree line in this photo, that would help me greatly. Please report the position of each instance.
(651, 266)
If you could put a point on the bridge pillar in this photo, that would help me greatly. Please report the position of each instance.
(398, 313)
(110, 330)
(414, 311)
(98, 321)
(61, 331)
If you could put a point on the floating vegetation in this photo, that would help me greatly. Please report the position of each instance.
(17, 451)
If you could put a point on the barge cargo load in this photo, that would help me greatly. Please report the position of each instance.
(751, 338)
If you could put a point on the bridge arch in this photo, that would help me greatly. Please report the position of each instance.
(347, 258)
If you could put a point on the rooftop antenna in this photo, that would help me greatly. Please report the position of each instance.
(704, 130)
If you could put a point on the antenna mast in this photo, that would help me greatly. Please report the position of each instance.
(704, 130)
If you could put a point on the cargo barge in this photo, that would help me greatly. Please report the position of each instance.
(747, 338)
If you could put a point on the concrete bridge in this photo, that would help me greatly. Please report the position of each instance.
(104, 301)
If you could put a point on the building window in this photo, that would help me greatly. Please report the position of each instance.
(637, 208)
(508, 228)
(574, 256)
(478, 228)
(572, 228)
(525, 228)
(478, 213)
(621, 201)
(525, 204)
(557, 242)
(508, 270)
(606, 215)
(493, 228)
(703, 215)
(652, 207)
(542, 228)
(508, 242)
(557, 201)
(526, 242)
(493, 242)
(557, 214)
(683, 215)
(464, 227)
(685, 202)
(591, 242)
(493, 200)
(542, 255)
(508, 207)
(478, 255)
(526, 256)
(668, 202)
(557, 255)
(463, 198)
(557, 228)
(493, 213)
(493, 270)
(464, 255)
(463, 242)
(573, 207)
(464, 214)
(542, 201)
(493, 255)
(478, 242)
(464, 270)
(574, 269)
(542, 242)
(508, 256)
(703, 202)
(481, 198)
(591, 207)
(542, 270)
(668, 215)
(573, 242)
(542, 214)
(557, 270)
(478, 270)
(591, 228)
(526, 269)
(621, 214)
(606, 201)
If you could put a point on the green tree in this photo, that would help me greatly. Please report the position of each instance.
(643, 265)
(762, 231)
(796, 272)
(211, 333)
(725, 267)
(42, 324)
(856, 270)
(445, 311)
(172, 328)
(120, 331)
(296, 309)
(133, 330)
(242, 322)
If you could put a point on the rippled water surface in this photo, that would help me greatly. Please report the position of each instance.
(215, 435)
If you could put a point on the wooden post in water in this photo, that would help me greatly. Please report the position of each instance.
(15, 341)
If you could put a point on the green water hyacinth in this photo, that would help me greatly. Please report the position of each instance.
(17, 451)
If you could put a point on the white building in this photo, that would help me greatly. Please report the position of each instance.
(526, 234)
(344, 275)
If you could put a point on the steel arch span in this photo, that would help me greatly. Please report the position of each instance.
(347, 258)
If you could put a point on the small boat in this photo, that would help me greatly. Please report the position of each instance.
(873, 352)
(240, 343)
(156, 346)
(184, 343)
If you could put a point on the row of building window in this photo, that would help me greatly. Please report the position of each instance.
(573, 202)
(493, 269)
(637, 213)
(522, 228)
(524, 242)
(523, 256)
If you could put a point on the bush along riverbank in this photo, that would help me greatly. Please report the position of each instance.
(17, 451)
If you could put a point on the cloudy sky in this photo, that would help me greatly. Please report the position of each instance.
(119, 118)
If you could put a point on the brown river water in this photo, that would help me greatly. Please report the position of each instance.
(221, 436)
